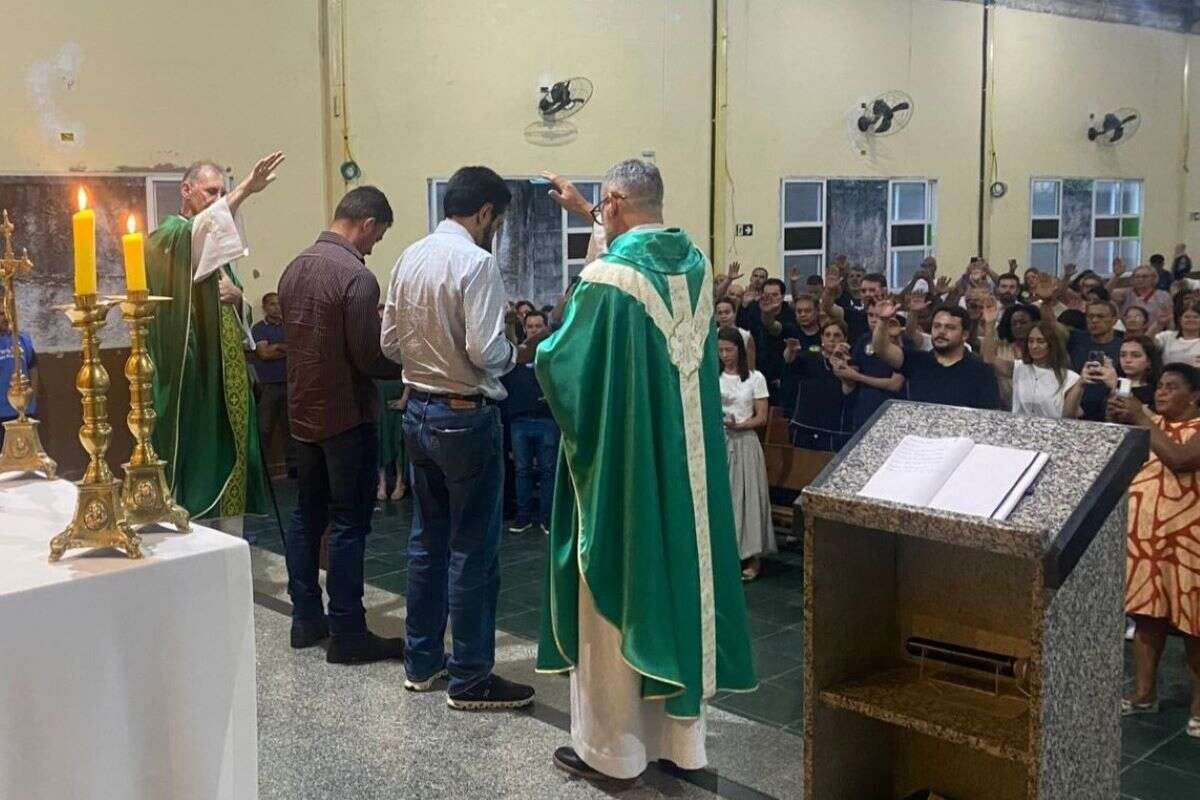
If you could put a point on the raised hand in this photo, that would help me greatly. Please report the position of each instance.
(942, 286)
(791, 347)
(991, 309)
(735, 271)
(1047, 288)
(264, 172)
(565, 193)
(886, 308)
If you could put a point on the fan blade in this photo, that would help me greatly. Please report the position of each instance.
(1111, 123)
(865, 123)
(879, 108)
(1117, 133)
(900, 107)
(1130, 118)
(885, 125)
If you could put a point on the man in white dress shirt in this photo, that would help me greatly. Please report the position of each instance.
(444, 320)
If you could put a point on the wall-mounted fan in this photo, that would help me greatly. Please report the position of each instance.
(886, 114)
(564, 98)
(1114, 127)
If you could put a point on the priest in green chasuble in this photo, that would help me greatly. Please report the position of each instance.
(206, 430)
(643, 604)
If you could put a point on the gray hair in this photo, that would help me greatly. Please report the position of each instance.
(199, 167)
(640, 181)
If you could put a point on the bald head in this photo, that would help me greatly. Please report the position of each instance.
(202, 185)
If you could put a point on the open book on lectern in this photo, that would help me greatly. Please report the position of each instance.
(956, 474)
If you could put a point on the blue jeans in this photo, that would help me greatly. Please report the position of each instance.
(336, 488)
(534, 439)
(456, 468)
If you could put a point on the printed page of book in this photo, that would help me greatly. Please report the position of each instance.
(916, 470)
(987, 480)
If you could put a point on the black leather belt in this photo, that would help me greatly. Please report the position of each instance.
(454, 400)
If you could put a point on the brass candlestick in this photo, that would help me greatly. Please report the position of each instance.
(22, 450)
(99, 518)
(145, 495)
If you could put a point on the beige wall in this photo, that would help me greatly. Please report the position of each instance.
(797, 68)
(1051, 72)
(437, 84)
(145, 84)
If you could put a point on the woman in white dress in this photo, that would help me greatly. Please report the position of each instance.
(725, 312)
(1043, 383)
(744, 406)
(1182, 345)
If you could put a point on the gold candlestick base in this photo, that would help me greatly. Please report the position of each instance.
(97, 523)
(23, 449)
(146, 498)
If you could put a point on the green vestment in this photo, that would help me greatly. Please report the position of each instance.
(207, 429)
(642, 509)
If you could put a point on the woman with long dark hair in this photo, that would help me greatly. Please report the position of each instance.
(744, 406)
(1140, 361)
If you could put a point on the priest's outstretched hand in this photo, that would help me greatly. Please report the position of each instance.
(262, 176)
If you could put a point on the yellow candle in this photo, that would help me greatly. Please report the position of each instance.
(84, 224)
(135, 258)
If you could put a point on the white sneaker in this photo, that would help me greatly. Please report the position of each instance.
(428, 684)
(1193, 728)
(1130, 627)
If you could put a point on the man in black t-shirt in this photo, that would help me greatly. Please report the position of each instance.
(870, 289)
(771, 322)
(947, 375)
(1101, 337)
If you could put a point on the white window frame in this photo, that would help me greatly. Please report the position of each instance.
(1120, 217)
(929, 222)
(567, 263)
(1058, 182)
(153, 180)
(785, 226)
(576, 264)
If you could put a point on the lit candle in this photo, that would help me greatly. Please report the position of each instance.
(135, 258)
(84, 224)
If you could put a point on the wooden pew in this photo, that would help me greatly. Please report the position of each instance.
(788, 467)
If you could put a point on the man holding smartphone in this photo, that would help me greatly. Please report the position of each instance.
(1088, 352)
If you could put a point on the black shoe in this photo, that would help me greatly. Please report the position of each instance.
(493, 693)
(566, 759)
(362, 648)
(307, 634)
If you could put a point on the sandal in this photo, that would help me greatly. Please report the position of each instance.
(1130, 708)
(749, 575)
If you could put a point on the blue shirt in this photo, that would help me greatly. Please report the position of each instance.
(275, 370)
(6, 371)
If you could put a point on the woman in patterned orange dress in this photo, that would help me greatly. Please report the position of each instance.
(1162, 566)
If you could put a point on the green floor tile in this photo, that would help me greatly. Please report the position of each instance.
(774, 704)
(394, 582)
(1180, 751)
(768, 662)
(1138, 738)
(1149, 781)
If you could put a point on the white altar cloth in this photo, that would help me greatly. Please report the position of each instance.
(123, 679)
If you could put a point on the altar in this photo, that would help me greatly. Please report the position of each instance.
(122, 678)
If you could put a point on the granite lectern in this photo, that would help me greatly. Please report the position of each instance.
(963, 655)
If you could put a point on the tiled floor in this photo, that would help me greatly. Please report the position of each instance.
(1159, 761)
